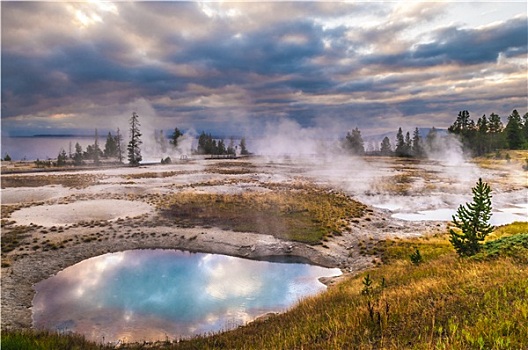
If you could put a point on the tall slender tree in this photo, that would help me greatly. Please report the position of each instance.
(78, 155)
(134, 150)
(97, 151)
(417, 145)
(514, 131)
(119, 148)
(400, 144)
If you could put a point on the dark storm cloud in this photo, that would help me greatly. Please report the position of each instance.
(280, 50)
(463, 46)
(186, 62)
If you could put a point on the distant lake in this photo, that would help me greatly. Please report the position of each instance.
(43, 147)
(142, 295)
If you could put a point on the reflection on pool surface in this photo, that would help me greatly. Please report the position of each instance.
(142, 295)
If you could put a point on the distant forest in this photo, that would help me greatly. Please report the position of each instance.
(478, 138)
(486, 135)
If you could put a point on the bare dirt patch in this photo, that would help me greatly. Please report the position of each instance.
(72, 213)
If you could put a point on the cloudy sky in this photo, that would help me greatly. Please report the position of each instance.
(237, 68)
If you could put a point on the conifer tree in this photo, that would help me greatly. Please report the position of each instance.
(355, 142)
(385, 147)
(175, 136)
(472, 221)
(243, 147)
(61, 158)
(514, 132)
(110, 149)
(134, 151)
(400, 144)
(119, 150)
(417, 145)
(97, 151)
(78, 155)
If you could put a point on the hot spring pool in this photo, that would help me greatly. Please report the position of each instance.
(151, 295)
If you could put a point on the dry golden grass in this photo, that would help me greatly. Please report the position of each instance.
(66, 180)
(443, 303)
(306, 215)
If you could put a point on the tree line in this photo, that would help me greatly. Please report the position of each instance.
(115, 148)
(405, 146)
(478, 138)
(490, 134)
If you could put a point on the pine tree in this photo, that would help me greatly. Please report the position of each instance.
(134, 151)
(355, 142)
(417, 145)
(482, 140)
(61, 158)
(175, 136)
(78, 155)
(472, 221)
(400, 144)
(97, 151)
(525, 126)
(464, 127)
(243, 148)
(119, 149)
(431, 141)
(385, 147)
(110, 149)
(514, 132)
(496, 136)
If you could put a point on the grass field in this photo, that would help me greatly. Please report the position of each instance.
(306, 214)
(444, 302)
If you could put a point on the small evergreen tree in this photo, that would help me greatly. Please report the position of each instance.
(61, 158)
(354, 142)
(134, 151)
(243, 148)
(416, 257)
(110, 149)
(7, 158)
(231, 147)
(78, 155)
(175, 136)
(472, 221)
(385, 147)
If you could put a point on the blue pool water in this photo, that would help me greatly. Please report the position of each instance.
(150, 295)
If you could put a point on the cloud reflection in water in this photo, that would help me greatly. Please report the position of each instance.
(153, 294)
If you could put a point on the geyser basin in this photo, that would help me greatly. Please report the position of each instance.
(151, 295)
